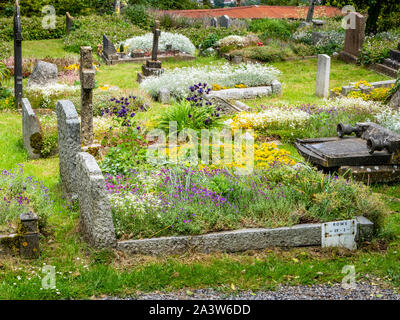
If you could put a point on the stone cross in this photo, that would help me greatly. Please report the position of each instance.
(17, 57)
(68, 23)
(157, 33)
(87, 85)
(310, 13)
(323, 71)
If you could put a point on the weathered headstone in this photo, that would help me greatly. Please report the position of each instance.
(18, 89)
(310, 13)
(69, 145)
(214, 22)
(87, 73)
(44, 74)
(354, 39)
(109, 51)
(224, 21)
(152, 67)
(316, 36)
(31, 131)
(68, 23)
(96, 223)
(323, 71)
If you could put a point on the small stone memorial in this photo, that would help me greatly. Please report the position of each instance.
(354, 39)
(372, 155)
(153, 66)
(224, 21)
(31, 131)
(44, 74)
(340, 234)
(109, 51)
(323, 71)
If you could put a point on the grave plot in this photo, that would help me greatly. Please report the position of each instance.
(139, 49)
(226, 81)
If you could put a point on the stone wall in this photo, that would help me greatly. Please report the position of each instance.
(31, 131)
(69, 145)
(96, 224)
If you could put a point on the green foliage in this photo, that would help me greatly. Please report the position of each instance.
(89, 31)
(5, 50)
(377, 47)
(31, 8)
(209, 42)
(4, 73)
(31, 29)
(199, 35)
(138, 15)
(188, 116)
(274, 28)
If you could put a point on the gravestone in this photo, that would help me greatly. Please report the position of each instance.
(18, 89)
(214, 22)
(354, 39)
(68, 23)
(109, 51)
(69, 145)
(31, 131)
(372, 155)
(323, 71)
(224, 21)
(95, 219)
(87, 73)
(342, 234)
(44, 74)
(153, 66)
(310, 13)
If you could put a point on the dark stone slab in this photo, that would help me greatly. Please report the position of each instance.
(153, 64)
(108, 47)
(395, 55)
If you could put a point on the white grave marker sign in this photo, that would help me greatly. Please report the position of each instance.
(339, 234)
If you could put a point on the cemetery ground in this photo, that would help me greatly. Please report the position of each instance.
(83, 272)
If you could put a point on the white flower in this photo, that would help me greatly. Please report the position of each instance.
(178, 81)
(176, 40)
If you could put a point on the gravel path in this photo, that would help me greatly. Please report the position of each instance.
(363, 291)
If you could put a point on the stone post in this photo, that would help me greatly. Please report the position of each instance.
(68, 23)
(87, 85)
(156, 37)
(18, 93)
(28, 232)
(323, 70)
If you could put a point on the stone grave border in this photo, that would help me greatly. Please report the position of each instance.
(364, 89)
(97, 227)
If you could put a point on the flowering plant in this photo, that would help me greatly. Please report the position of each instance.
(177, 41)
(177, 81)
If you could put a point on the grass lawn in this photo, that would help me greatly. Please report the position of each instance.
(83, 272)
(53, 48)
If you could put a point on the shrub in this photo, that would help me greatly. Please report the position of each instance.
(376, 48)
(178, 80)
(5, 50)
(31, 29)
(145, 42)
(274, 28)
(89, 31)
(198, 35)
(138, 15)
